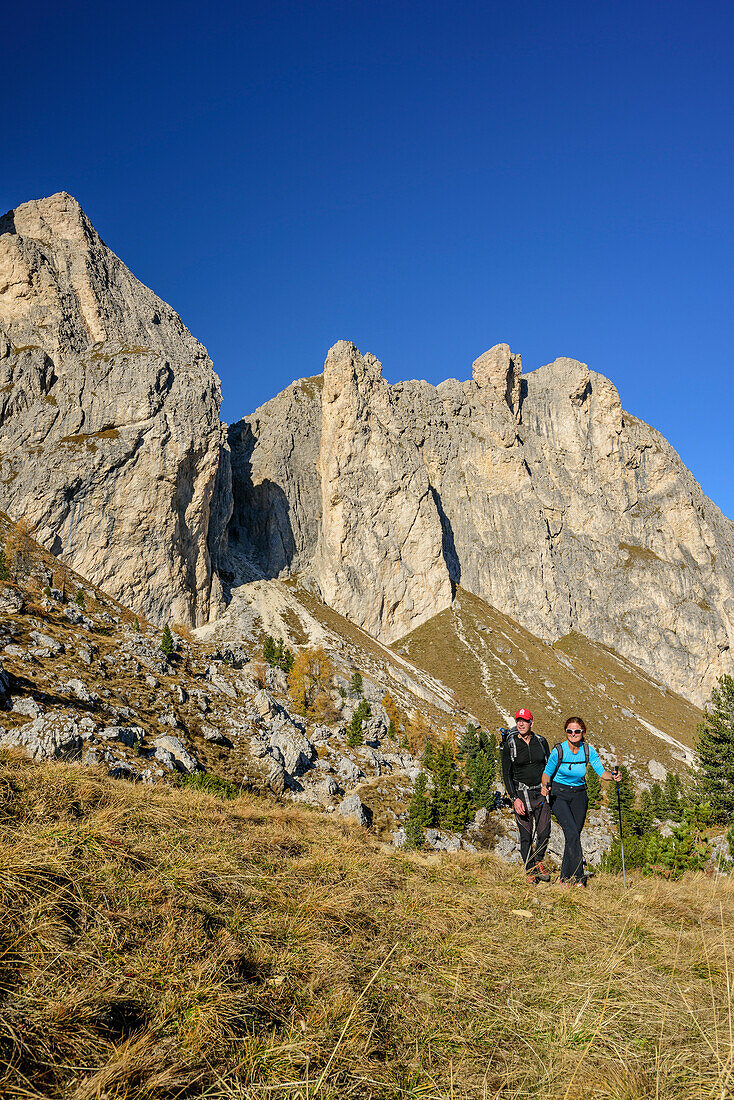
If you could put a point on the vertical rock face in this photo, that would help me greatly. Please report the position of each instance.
(379, 557)
(109, 416)
(538, 494)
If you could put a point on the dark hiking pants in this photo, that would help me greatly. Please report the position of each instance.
(570, 805)
(540, 818)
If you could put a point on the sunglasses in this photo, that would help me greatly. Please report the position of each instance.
(574, 729)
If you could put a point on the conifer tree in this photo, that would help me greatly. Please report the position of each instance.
(79, 598)
(167, 647)
(4, 571)
(356, 686)
(715, 750)
(673, 797)
(593, 789)
(479, 754)
(626, 794)
(419, 814)
(658, 801)
(354, 730)
(450, 804)
(269, 649)
(644, 814)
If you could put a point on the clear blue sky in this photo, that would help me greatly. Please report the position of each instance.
(426, 179)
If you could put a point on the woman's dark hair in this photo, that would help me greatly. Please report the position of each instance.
(574, 718)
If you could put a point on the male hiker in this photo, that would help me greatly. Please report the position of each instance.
(524, 756)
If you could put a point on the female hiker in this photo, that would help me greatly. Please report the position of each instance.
(566, 770)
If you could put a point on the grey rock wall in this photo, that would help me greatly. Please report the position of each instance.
(110, 438)
(539, 494)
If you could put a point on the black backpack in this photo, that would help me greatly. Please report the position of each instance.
(561, 760)
(511, 742)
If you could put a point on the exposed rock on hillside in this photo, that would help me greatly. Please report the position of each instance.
(109, 417)
(540, 495)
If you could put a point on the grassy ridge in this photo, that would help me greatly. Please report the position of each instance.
(164, 943)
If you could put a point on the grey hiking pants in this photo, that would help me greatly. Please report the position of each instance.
(540, 818)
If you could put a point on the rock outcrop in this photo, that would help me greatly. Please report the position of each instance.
(538, 494)
(109, 417)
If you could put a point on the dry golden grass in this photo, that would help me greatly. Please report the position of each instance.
(160, 943)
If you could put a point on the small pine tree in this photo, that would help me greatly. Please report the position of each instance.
(479, 754)
(643, 818)
(673, 797)
(428, 758)
(715, 750)
(354, 730)
(658, 801)
(593, 789)
(269, 650)
(450, 805)
(79, 599)
(4, 571)
(136, 625)
(626, 794)
(356, 685)
(167, 647)
(419, 814)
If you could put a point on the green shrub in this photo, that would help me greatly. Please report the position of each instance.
(212, 784)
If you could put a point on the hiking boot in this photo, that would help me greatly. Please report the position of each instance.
(532, 879)
(541, 873)
(580, 882)
(564, 883)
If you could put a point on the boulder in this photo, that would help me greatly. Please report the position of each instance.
(215, 736)
(277, 780)
(354, 809)
(297, 750)
(264, 704)
(657, 770)
(175, 748)
(26, 705)
(47, 643)
(80, 690)
(50, 737)
(126, 735)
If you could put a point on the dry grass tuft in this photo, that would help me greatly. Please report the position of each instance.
(161, 943)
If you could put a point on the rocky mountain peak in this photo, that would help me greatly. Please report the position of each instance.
(109, 416)
(499, 369)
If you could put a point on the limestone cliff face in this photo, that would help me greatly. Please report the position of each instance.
(109, 417)
(538, 494)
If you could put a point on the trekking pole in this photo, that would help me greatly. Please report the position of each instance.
(621, 835)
